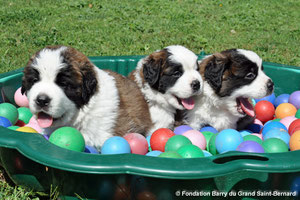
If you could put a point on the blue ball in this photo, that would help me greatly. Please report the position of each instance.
(278, 133)
(245, 132)
(209, 129)
(148, 140)
(271, 98)
(255, 128)
(228, 140)
(206, 153)
(90, 149)
(4, 122)
(154, 153)
(272, 125)
(179, 130)
(115, 145)
(283, 98)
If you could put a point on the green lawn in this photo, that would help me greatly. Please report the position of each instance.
(100, 28)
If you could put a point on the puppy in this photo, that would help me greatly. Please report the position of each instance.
(65, 89)
(169, 80)
(231, 78)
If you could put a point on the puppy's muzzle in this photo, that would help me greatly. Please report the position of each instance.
(195, 85)
(42, 100)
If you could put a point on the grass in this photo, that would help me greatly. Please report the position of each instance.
(131, 27)
(97, 28)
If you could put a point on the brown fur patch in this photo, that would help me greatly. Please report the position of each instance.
(134, 113)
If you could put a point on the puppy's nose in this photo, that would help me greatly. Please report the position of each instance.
(42, 100)
(195, 85)
(270, 85)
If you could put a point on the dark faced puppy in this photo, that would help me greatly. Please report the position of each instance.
(65, 89)
(169, 80)
(231, 79)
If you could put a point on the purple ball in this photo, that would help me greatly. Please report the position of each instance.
(209, 129)
(179, 130)
(295, 99)
(250, 146)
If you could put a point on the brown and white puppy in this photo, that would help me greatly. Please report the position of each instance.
(169, 80)
(231, 79)
(65, 89)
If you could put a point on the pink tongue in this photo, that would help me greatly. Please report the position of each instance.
(188, 103)
(44, 120)
(247, 107)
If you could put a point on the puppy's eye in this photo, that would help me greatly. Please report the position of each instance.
(250, 76)
(34, 80)
(177, 74)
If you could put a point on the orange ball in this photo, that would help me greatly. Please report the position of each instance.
(295, 141)
(285, 110)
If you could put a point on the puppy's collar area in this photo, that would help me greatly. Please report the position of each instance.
(245, 107)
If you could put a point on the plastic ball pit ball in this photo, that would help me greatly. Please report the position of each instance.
(10, 112)
(212, 145)
(175, 142)
(138, 143)
(283, 98)
(154, 153)
(90, 149)
(250, 146)
(295, 99)
(170, 154)
(255, 128)
(196, 138)
(13, 127)
(207, 136)
(264, 111)
(190, 151)
(20, 99)
(159, 139)
(285, 110)
(24, 114)
(258, 135)
(209, 129)
(271, 98)
(287, 121)
(206, 153)
(115, 145)
(294, 126)
(26, 129)
(272, 125)
(179, 130)
(4, 122)
(295, 141)
(68, 138)
(278, 133)
(228, 140)
(253, 138)
(275, 145)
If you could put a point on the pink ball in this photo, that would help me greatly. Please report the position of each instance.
(35, 127)
(196, 137)
(258, 135)
(21, 100)
(257, 121)
(138, 143)
(287, 121)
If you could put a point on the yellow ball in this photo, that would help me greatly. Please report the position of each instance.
(26, 129)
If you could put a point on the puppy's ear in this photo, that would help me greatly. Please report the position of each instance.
(89, 82)
(153, 66)
(214, 71)
(23, 87)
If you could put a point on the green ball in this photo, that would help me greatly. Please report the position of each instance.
(276, 120)
(24, 114)
(9, 111)
(253, 138)
(207, 135)
(170, 154)
(13, 127)
(297, 115)
(68, 138)
(212, 145)
(190, 151)
(176, 142)
(275, 145)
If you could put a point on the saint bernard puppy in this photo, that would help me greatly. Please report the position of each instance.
(65, 89)
(231, 79)
(169, 80)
